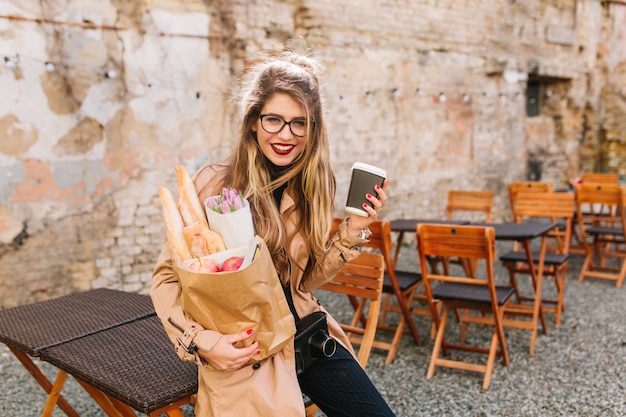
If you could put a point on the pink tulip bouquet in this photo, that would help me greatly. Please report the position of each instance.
(229, 214)
(227, 202)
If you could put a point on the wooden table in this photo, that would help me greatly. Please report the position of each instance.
(111, 342)
(525, 233)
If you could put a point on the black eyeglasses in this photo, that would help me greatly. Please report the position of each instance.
(273, 124)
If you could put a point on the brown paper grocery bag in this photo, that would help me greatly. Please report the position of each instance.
(250, 298)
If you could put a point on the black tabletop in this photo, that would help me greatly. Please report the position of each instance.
(33, 327)
(409, 225)
(519, 231)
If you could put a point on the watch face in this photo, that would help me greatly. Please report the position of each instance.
(363, 234)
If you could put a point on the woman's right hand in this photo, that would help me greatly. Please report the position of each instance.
(224, 356)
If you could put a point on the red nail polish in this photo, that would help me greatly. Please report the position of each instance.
(249, 331)
(364, 205)
(368, 195)
(258, 352)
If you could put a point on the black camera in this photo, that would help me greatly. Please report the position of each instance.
(312, 340)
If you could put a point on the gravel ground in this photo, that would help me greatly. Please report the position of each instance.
(578, 368)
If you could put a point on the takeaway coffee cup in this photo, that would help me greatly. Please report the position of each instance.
(364, 178)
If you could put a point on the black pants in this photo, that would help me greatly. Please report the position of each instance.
(338, 385)
(341, 388)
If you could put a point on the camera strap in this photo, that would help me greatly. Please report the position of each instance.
(289, 297)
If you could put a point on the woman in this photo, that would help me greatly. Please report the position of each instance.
(281, 165)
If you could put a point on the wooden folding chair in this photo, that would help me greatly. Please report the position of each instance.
(517, 187)
(400, 290)
(527, 187)
(555, 207)
(362, 281)
(600, 178)
(603, 206)
(475, 205)
(578, 246)
(469, 202)
(464, 294)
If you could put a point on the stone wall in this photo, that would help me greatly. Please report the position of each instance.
(102, 98)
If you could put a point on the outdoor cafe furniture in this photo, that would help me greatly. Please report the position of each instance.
(399, 288)
(476, 205)
(578, 246)
(459, 203)
(601, 218)
(464, 294)
(544, 206)
(524, 233)
(402, 226)
(599, 178)
(111, 342)
(517, 187)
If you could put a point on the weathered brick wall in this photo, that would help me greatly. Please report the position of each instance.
(435, 92)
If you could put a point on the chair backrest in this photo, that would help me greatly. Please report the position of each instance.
(463, 202)
(557, 207)
(600, 204)
(600, 178)
(527, 187)
(361, 278)
(465, 242)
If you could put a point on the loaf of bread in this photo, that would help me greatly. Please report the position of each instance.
(186, 224)
(174, 225)
(202, 241)
(189, 204)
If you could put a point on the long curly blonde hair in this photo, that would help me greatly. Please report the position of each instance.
(310, 180)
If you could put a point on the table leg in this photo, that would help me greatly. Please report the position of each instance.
(116, 408)
(536, 310)
(104, 401)
(537, 277)
(404, 309)
(173, 410)
(55, 393)
(43, 381)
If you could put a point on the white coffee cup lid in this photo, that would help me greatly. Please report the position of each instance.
(370, 168)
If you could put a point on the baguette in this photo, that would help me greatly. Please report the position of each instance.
(202, 241)
(173, 225)
(188, 202)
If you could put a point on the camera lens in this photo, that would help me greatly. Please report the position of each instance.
(322, 345)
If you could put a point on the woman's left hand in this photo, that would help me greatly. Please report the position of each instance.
(357, 223)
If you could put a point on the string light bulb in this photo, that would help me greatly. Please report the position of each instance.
(15, 62)
(11, 62)
(442, 97)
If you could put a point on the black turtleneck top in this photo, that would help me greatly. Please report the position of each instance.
(275, 172)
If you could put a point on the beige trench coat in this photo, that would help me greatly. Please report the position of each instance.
(270, 389)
